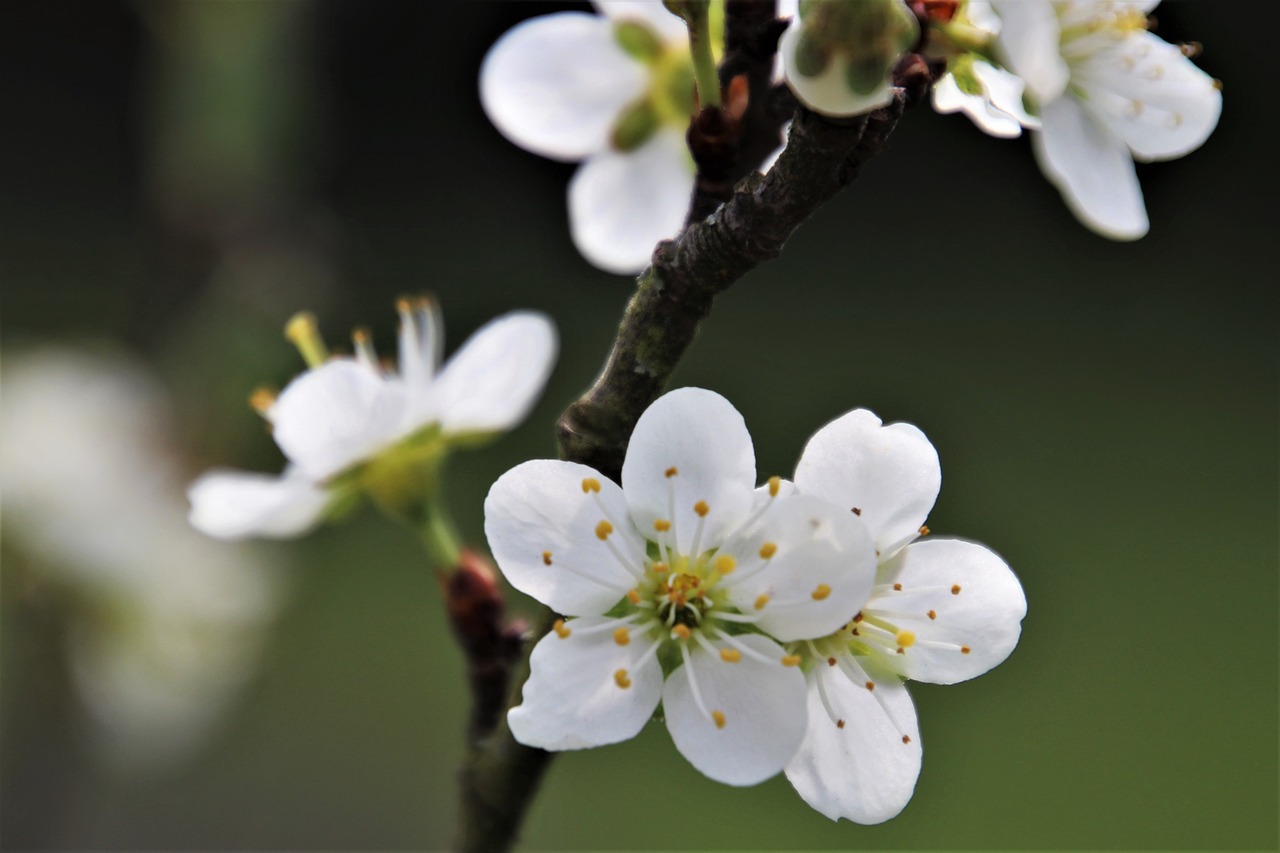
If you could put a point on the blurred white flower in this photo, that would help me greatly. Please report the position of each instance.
(348, 425)
(167, 625)
(615, 90)
(1107, 92)
(989, 95)
(680, 583)
(942, 611)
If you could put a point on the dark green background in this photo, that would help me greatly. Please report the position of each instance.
(1106, 415)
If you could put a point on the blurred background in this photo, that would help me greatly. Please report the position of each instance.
(179, 178)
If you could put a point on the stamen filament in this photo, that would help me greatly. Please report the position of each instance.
(743, 647)
(693, 682)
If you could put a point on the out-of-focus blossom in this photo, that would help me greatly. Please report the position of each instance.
(163, 626)
(350, 426)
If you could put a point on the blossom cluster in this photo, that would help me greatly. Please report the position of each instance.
(1095, 89)
(775, 625)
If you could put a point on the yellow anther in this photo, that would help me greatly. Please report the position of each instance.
(964, 650)
(724, 564)
(791, 660)
(906, 738)
(821, 592)
(660, 568)
(661, 525)
(933, 614)
(590, 484)
(924, 530)
(261, 400)
(906, 639)
(633, 595)
(767, 550)
(682, 631)
(701, 508)
(620, 678)
(718, 716)
(302, 332)
(897, 587)
(603, 529)
(622, 636)
(730, 655)
(546, 558)
(562, 631)
(403, 305)
(775, 483)
(870, 685)
(761, 601)
(671, 472)
(955, 590)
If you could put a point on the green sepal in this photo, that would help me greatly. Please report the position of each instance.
(638, 40)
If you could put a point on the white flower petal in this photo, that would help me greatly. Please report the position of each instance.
(652, 14)
(1151, 96)
(1092, 168)
(336, 415)
(889, 475)
(1004, 93)
(762, 708)
(821, 571)
(493, 380)
(621, 203)
(949, 98)
(1028, 41)
(236, 505)
(863, 770)
(575, 698)
(556, 84)
(976, 602)
(542, 529)
(827, 93)
(690, 446)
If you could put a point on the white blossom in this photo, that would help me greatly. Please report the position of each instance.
(989, 95)
(941, 611)
(349, 425)
(679, 586)
(1107, 92)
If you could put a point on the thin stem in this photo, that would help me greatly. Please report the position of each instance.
(439, 534)
(704, 64)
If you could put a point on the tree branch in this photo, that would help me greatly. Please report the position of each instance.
(672, 297)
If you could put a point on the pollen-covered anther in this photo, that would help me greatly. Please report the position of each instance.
(775, 484)
(964, 650)
(261, 400)
(933, 614)
(820, 592)
(870, 685)
(661, 525)
(924, 530)
(562, 630)
(767, 550)
(303, 333)
(622, 636)
(718, 718)
(589, 485)
(761, 601)
(681, 631)
(546, 558)
(603, 529)
(857, 617)
(906, 639)
(621, 679)
(701, 509)
(831, 661)
(671, 472)
(955, 590)
(724, 564)
(839, 724)
(730, 655)
(633, 595)
(659, 568)
(906, 738)
(791, 660)
(897, 587)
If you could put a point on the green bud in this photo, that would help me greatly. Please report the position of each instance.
(638, 40)
(812, 57)
(690, 10)
(634, 126)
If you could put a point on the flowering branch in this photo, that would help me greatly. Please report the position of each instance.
(672, 297)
